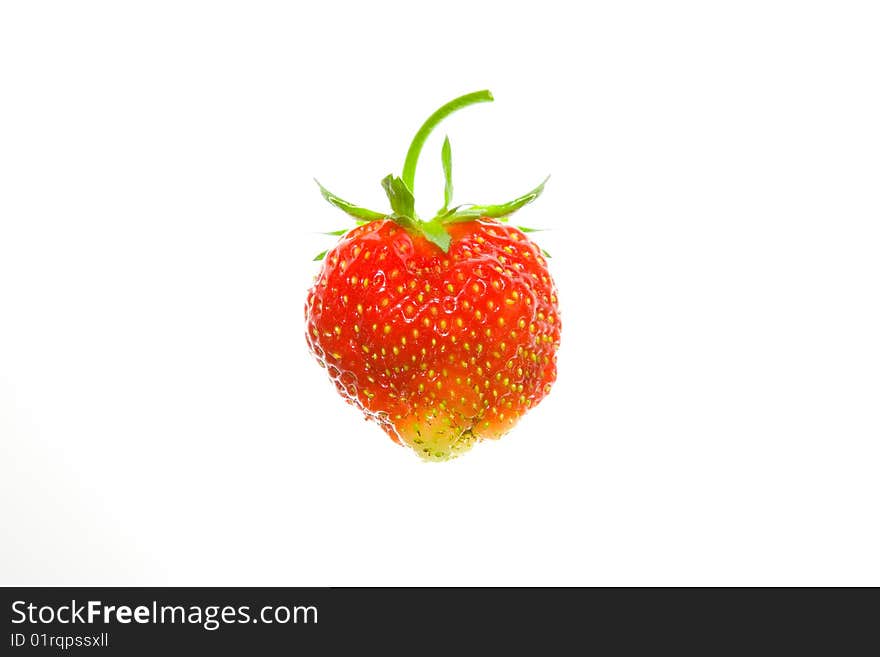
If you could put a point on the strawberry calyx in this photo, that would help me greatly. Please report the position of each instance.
(399, 189)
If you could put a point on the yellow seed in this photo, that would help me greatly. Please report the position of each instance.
(386, 329)
(337, 330)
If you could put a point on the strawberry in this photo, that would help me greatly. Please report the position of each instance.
(444, 332)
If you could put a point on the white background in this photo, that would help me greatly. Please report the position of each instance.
(714, 210)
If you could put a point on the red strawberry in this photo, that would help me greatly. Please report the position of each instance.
(444, 332)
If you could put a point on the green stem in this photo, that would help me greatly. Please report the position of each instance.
(415, 148)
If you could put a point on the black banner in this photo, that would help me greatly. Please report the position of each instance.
(134, 621)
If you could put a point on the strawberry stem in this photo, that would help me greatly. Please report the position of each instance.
(415, 148)
(399, 189)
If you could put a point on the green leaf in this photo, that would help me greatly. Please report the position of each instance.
(446, 157)
(359, 213)
(408, 223)
(336, 233)
(436, 233)
(471, 212)
(400, 196)
(320, 256)
(546, 255)
(526, 229)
